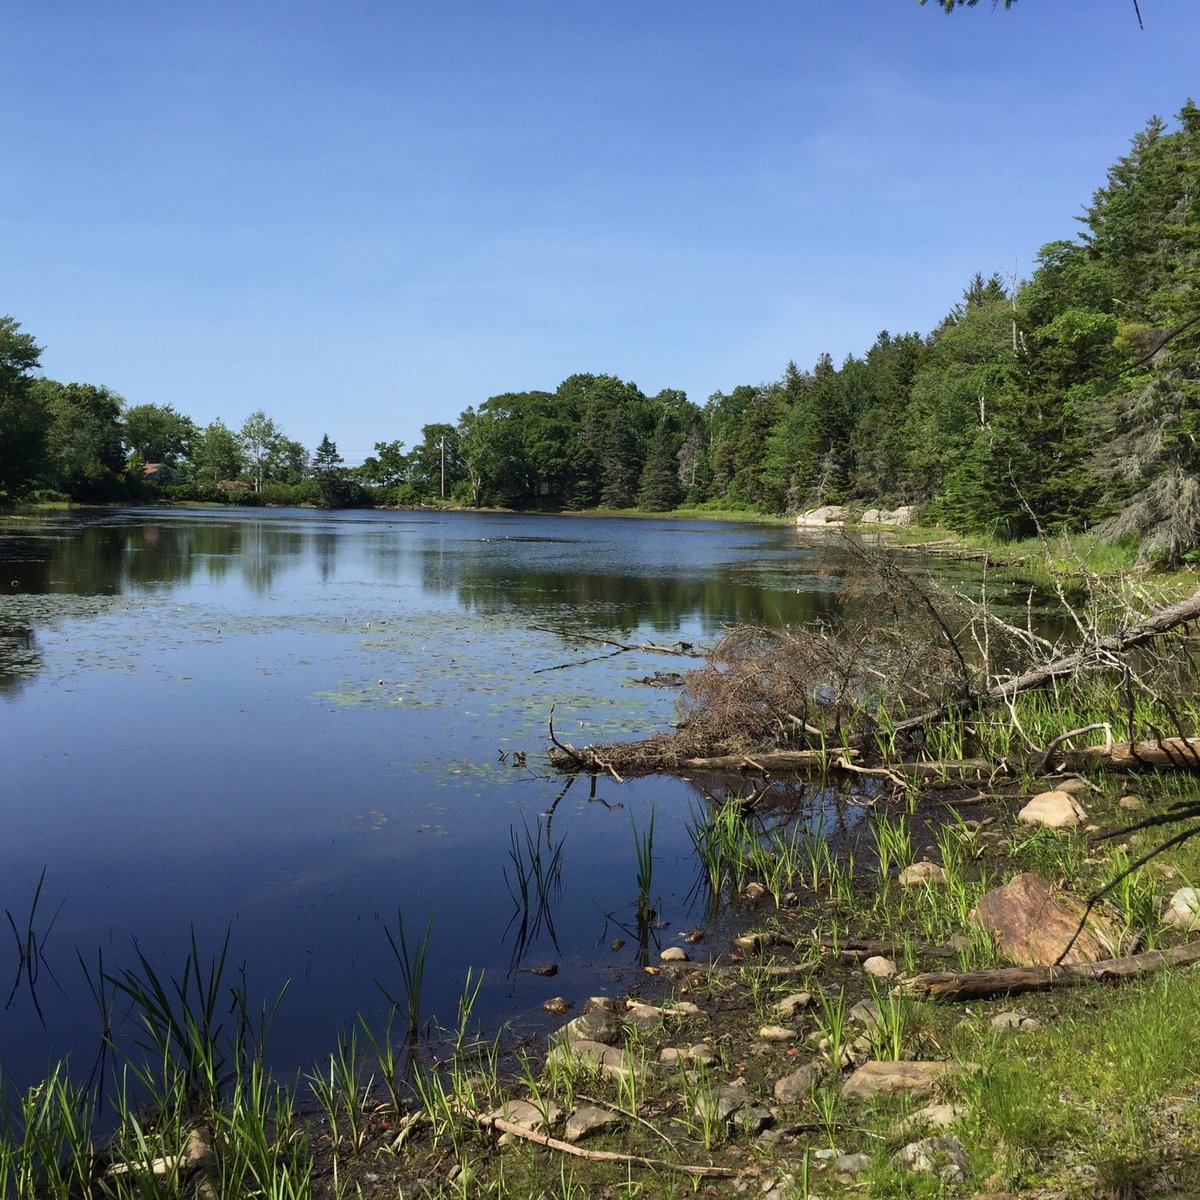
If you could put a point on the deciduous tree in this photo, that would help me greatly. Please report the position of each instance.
(24, 421)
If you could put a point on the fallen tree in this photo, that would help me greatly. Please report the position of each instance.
(978, 985)
(867, 695)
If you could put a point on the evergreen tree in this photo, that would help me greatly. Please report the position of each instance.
(330, 484)
(1144, 226)
(659, 489)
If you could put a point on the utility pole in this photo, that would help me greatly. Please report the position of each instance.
(443, 466)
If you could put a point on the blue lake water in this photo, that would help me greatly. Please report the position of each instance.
(293, 725)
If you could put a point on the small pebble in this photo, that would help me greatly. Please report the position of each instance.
(775, 1033)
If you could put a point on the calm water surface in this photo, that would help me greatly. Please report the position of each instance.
(290, 725)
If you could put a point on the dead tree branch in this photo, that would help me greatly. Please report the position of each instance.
(976, 985)
(1103, 652)
(633, 1160)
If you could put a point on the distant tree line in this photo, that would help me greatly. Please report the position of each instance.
(1067, 401)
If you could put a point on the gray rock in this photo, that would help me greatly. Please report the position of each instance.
(1056, 810)
(700, 1053)
(932, 1116)
(795, 1087)
(600, 1025)
(942, 1156)
(603, 1004)
(683, 1008)
(723, 1103)
(674, 954)
(528, 1115)
(1015, 1020)
(730, 1100)
(752, 1120)
(776, 1033)
(754, 943)
(887, 1078)
(865, 1013)
(921, 874)
(610, 1061)
(589, 1119)
(852, 1164)
(644, 1017)
(1183, 910)
(1073, 786)
(819, 518)
(880, 967)
(790, 1005)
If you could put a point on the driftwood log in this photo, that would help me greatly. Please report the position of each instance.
(1171, 754)
(977, 985)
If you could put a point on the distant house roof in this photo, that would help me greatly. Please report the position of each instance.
(156, 470)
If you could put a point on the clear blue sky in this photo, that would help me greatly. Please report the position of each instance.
(365, 215)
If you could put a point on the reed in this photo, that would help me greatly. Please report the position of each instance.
(833, 1022)
(890, 1032)
(701, 1105)
(411, 961)
(534, 885)
(643, 848)
(893, 843)
(260, 1151)
(46, 1140)
(180, 1020)
(341, 1096)
(31, 948)
(391, 1065)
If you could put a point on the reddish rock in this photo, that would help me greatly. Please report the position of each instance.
(1031, 926)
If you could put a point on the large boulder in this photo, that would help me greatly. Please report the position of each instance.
(820, 518)
(1031, 925)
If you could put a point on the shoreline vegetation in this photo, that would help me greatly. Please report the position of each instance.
(976, 983)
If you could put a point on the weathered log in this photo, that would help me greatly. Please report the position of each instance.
(1172, 753)
(977, 985)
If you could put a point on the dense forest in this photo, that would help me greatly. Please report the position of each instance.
(1067, 401)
